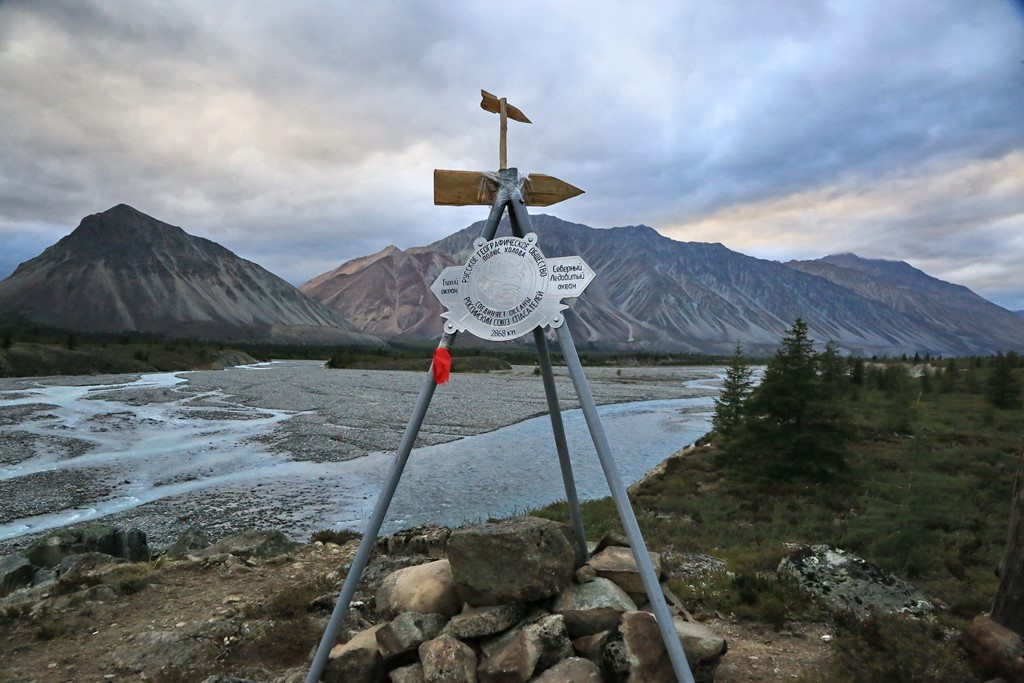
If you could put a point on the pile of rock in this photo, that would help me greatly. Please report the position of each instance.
(507, 603)
(65, 553)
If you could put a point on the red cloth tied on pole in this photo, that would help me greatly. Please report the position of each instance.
(442, 365)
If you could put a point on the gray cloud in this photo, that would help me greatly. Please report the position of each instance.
(303, 134)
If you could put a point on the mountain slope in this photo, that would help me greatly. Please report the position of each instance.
(955, 309)
(123, 270)
(652, 292)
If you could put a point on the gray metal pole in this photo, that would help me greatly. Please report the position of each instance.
(517, 219)
(558, 430)
(636, 540)
(373, 525)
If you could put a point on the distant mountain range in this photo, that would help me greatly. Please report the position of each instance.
(655, 293)
(122, 270)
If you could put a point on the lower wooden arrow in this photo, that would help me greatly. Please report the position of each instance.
(465, 188)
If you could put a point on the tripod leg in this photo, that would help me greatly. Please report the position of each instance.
(558, 429)
(373, 525)
(636, 541)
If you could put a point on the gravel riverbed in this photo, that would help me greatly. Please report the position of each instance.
(216, 449)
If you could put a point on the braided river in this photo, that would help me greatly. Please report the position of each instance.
(295, 446)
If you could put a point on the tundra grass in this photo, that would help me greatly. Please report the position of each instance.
(926, 497)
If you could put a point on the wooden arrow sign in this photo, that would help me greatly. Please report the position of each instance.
(465, 188)
(492, 103)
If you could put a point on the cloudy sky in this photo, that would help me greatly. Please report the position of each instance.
(300, 134)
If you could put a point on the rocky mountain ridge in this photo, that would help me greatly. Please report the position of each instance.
(656, 293)
(122, 270)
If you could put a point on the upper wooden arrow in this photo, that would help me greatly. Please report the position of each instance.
(492, 103)
(464, 188)
(500, 106)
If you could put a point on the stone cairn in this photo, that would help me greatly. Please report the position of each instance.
(505, 602)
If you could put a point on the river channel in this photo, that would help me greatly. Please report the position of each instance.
(295, 446)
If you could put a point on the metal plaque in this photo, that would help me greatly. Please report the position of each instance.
(508, 287)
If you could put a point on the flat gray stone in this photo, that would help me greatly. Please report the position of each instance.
(616, 563)
(407, 632)
(592, 607)
(846, 582)
(252, 543)
(15, 572)
(477, 622)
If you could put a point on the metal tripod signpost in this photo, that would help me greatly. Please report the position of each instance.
(505, 290)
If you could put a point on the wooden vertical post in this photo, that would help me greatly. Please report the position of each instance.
(503, 140)
(1008, 607)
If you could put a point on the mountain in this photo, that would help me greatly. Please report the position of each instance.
(387, 292)
(954, 309)
(656, 293)
(122, 270)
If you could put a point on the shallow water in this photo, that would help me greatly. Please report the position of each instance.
(182, 438)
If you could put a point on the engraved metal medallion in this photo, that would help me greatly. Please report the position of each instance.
(508, 287)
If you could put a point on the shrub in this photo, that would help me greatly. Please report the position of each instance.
(340, 536)
(890, 647)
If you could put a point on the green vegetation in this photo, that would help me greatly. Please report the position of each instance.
(794, 424)
(736, 388)
(30, 349)
(928, 464)
(476, 356)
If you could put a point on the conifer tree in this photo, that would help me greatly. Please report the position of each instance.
(1004, 391)
(794, 423)
(735, 389)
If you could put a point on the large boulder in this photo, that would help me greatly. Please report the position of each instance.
(85, 569)
(426, 539)
(15, 572)
(407, 632)
(426, 588)
(518, 560)
(636, 652)
(447, 660)
(50, 550)
(845, 582)
(572, 670)
(593, 606)
(191, 540)
(413, 673)
(514, 662)
(540, 642)
(617, 564)
(252, 543)
(477, 622)
(358, 660)
(130, 544)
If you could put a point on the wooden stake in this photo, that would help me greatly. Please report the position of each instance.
(491, 103)
(1008, 607)
(503, 140)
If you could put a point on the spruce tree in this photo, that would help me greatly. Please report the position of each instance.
(735, 389)
(794, 423)
(1004, 391)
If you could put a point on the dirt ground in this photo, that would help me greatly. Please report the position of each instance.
(196, 618)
